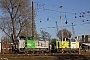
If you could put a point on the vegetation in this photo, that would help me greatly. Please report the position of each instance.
(66, 33)
(16, 17)
(45, 35)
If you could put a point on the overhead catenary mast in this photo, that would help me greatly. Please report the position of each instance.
(57, 26)
(32, 19)
(61, 23)
(34, 32)
(73, 30)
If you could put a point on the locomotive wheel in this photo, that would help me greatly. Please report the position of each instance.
(33, 52)
(42, 51)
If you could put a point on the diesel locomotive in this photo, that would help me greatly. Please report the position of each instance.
(28, 45)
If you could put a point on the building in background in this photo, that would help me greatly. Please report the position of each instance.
(0, 47)
(85, 38)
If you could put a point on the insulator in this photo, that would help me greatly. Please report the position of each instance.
(60, 17)
(65, 16)
(87, 20)
(48, 19)
(82, 20)
(66, 22)
(82, 15)
(83, 12)
(88, 12)
(40, 20)
(75, 17)
(61, 6)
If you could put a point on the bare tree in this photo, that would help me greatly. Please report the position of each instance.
(66, 34)
(16, 14)
(45, 35)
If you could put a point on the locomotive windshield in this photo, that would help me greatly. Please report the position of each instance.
(26, 38)
(29, 38)
(73, 40)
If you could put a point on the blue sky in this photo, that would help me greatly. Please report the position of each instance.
(49, 10)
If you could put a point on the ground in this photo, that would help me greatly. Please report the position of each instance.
(49, 58)
(82, 56)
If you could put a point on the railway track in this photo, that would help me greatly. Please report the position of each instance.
(45, 54)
